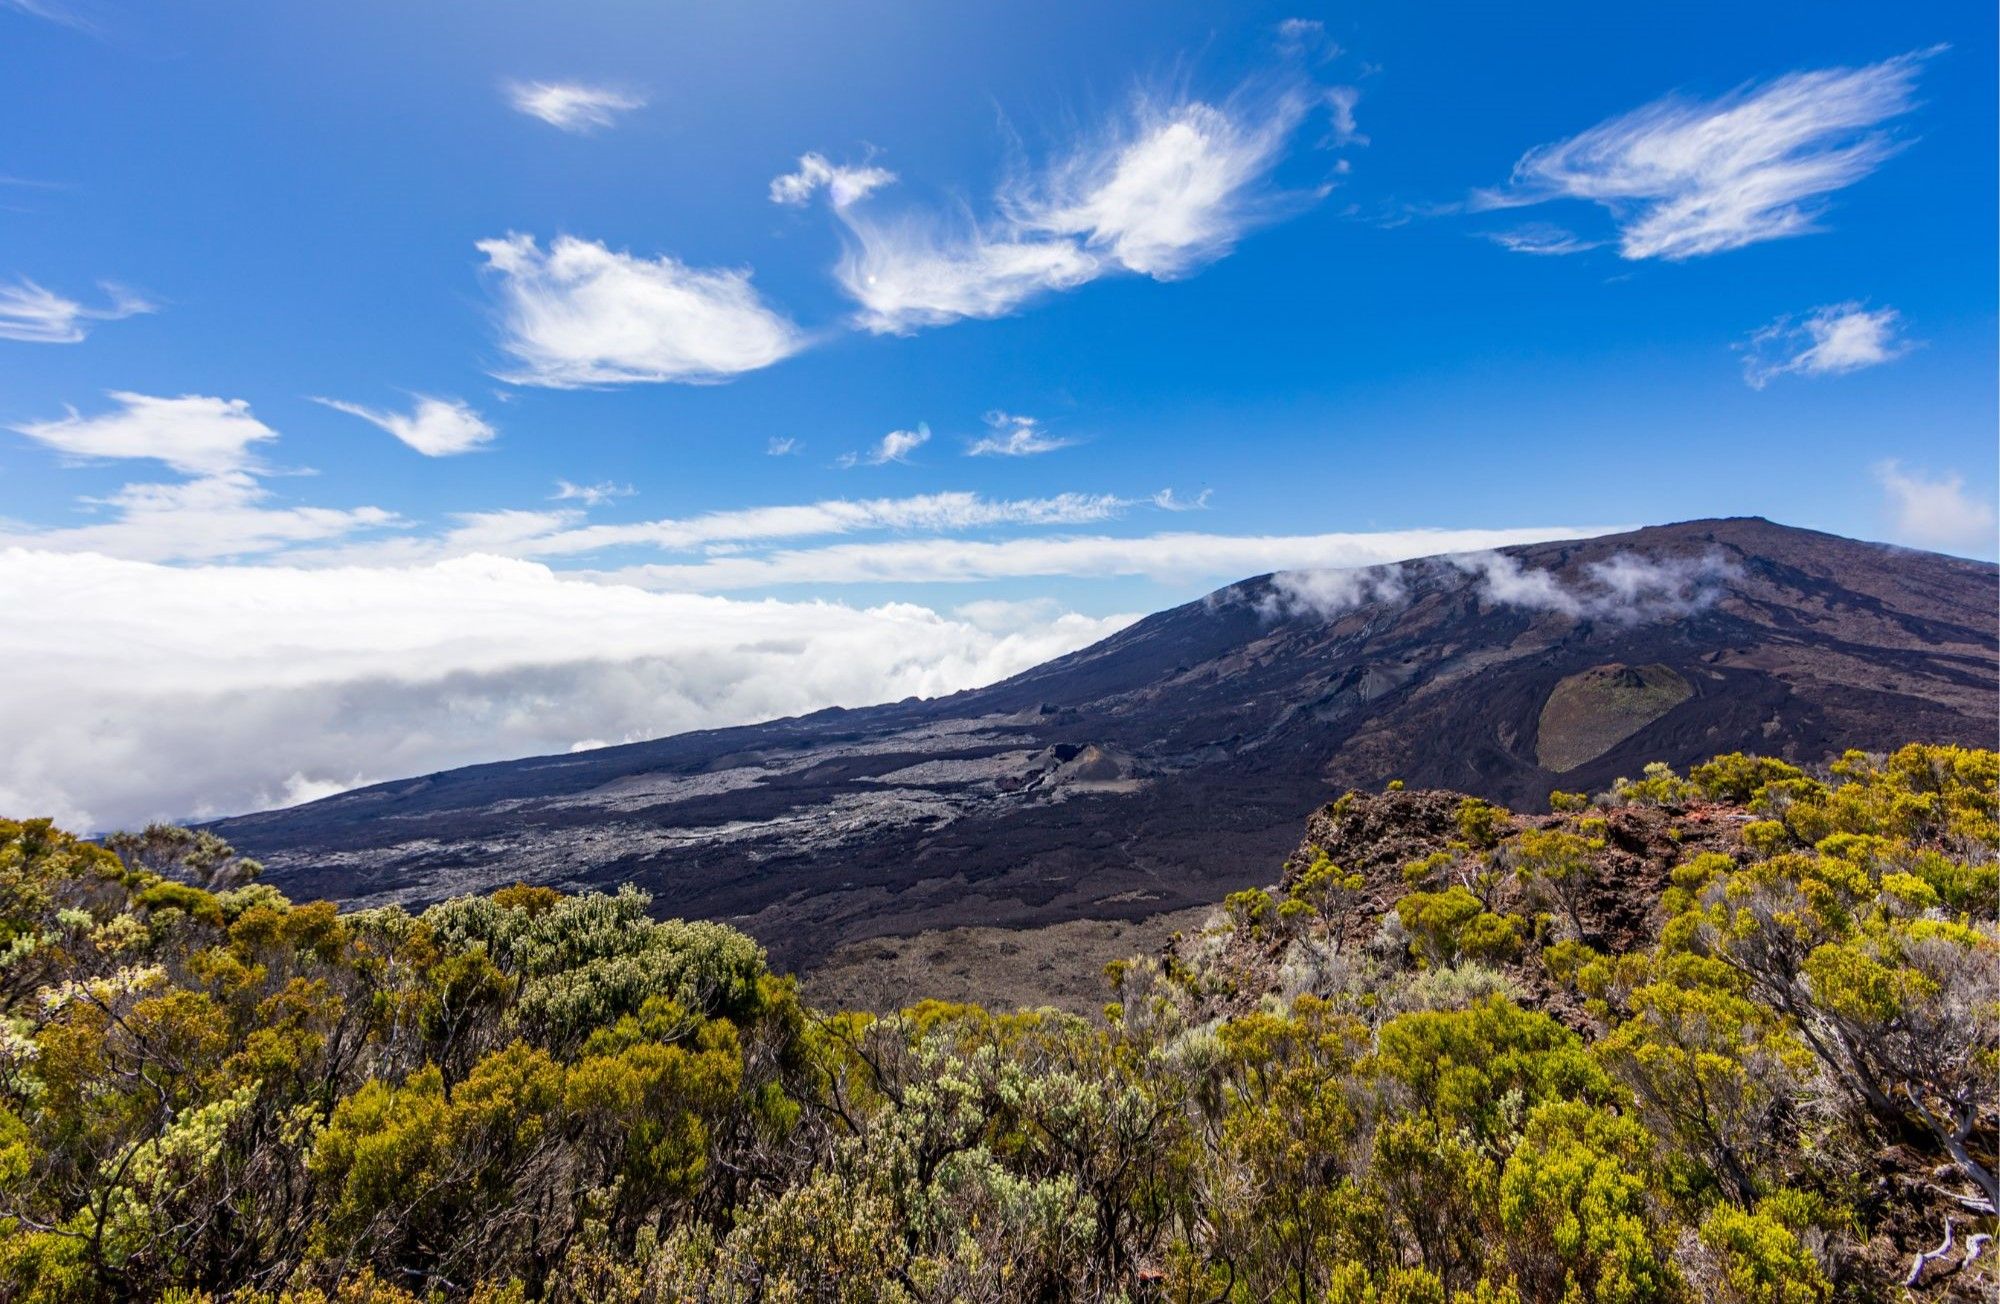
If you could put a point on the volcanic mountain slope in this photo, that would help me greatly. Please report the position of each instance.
(1172, 762)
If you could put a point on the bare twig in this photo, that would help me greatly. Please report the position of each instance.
(1926, 1257)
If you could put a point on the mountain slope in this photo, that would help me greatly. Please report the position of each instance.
(1172, 762)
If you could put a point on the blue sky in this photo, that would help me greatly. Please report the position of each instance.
(1295, 265)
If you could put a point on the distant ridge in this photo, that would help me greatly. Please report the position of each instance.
(1173, 761)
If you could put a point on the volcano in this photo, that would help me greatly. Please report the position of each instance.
(1176, 760)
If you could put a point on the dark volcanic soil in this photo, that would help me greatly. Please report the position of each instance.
(1174, 762)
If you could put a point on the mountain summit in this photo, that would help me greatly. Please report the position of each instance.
(1174, 761)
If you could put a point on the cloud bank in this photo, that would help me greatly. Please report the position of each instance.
(193, 691)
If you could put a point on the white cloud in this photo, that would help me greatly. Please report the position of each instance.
(896, 446)
(583, 315)
(1298, 36)
(1326, 593)
(1172, 188)
(1001, 614)
(1340, 104)
(939, 511)
(229, 515)
(436, 427)
(211, 516)
(918, 271)
(561, 534)
(299, 789)
(1624, 589)
(33, 315)
(192, 691)
(781, 446)
(221, 510)
(193, 433)
(1014, 436)
(1687, 177)
(591, 495)
(572, 106)
(1166, 501)
(1172, 557)
(1936, 513)
(1166, 190)
(843, 185)
(1831, 341)
(1542, 238)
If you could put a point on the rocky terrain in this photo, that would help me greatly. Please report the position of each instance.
(1173, 762)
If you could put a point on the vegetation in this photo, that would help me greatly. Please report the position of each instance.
(1452, 1083)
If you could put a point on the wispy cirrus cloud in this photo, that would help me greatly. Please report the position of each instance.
(194, 433)
(1164, 189)
(591, 495)
(1828, 341)
(949, 511)
(33, 315)
(65, 13)
(1935, 511)
(572, 106)
(1014, 435)
(221, 510)
(896, 446)
(1167, 501)
(228, 514)
(918, 270)
(565, 533)
(435, 427)
(1297, 36)
(581, 315)
(1172, 187)
(1340, 105)
(1685, 177)
(224, 511)
(1542, 238)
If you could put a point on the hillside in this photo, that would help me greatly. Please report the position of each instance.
(1724, 1037)
(1172, 763)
